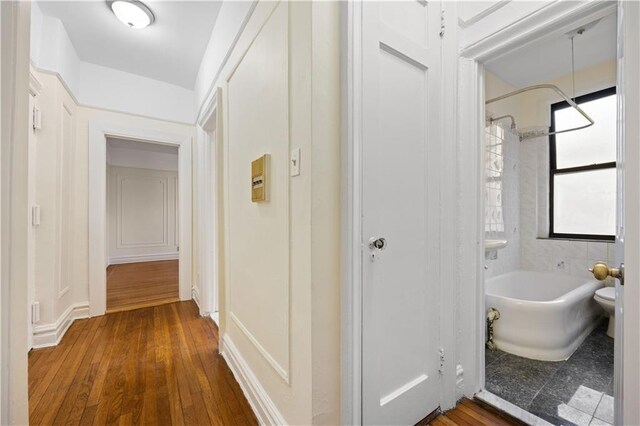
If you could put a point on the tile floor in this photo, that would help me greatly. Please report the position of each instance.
(578, 391)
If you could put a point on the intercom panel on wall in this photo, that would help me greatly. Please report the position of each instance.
(260, 179)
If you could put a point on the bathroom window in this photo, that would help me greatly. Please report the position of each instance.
(582, 183)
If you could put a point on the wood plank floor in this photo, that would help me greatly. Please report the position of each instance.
(142, 284)
(470, 413)
(156, 365)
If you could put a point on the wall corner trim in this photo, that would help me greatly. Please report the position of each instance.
(459, 381)
(47, 335)
(263, 407)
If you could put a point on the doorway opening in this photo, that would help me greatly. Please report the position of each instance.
(143, 233)
(119, 190)
(550, 199)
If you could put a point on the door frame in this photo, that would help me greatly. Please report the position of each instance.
(208, 169)
(34, 91)
(98, 133)
(546, 22)
(351, 215)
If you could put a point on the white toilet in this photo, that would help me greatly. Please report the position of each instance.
(606, 297)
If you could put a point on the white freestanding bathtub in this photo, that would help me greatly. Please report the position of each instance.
(543, 315)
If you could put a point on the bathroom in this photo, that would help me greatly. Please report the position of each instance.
(550, 216)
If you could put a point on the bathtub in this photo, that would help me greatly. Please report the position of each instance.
(543, 315)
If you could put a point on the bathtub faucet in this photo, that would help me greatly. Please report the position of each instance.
(492, 315)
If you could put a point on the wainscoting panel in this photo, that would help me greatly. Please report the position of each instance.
(258, 234)
(142, 214)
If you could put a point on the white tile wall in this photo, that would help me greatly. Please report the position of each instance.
(537, 252)
(524, 210)
(502, 198)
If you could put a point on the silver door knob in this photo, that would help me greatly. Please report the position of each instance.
(378, 243)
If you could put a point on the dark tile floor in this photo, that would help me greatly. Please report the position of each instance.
(578, 391)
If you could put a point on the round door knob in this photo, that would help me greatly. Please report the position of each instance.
(378, 243)
(601, 271)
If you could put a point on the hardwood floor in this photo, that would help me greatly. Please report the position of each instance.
(156, 365)
(138, 285)
(470, 413)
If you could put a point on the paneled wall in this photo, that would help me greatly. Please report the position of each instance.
(280, 272)
(61, 190)
(142, 214)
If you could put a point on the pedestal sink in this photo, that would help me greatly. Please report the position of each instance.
(491, 248)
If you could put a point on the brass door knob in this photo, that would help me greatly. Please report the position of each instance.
(601, 271)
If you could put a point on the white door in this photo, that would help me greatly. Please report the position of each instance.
(400, 228)
(627, 338)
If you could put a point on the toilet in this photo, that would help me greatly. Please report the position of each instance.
(606, 297)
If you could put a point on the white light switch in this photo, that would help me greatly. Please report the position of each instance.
(295, 162)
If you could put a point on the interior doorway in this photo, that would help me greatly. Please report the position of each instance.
(209, 213)
(148, 211)
(142, 224)
(553, 194)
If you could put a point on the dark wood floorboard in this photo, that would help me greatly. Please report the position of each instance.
(142, 284)
(470, 413)
(156, 366)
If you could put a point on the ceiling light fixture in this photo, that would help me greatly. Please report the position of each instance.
(132, 13)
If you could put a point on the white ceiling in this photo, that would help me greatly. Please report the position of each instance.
(551, 58)
(169, 50)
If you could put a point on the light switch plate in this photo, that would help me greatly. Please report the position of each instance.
(295, 162)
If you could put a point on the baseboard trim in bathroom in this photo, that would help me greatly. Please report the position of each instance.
(510, 409)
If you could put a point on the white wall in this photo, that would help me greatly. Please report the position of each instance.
(111, 89)
(280, 318)
(142, 214)
(230, 22)
(101, 87)
(142, 159)
(62, 192)
(14, 79)
(480, 19)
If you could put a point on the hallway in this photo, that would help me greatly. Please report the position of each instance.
(140, 285)
(156, 365)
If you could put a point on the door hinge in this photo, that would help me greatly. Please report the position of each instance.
(442, 28)
(37, 118)
(441, 368)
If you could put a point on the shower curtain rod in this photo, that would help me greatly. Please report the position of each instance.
(559, 92)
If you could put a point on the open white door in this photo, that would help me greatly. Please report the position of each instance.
(627, 340)
(401, 62)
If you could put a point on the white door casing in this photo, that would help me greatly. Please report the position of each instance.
(98, 133)
(31, 243)
(401, 61)
(209, 204)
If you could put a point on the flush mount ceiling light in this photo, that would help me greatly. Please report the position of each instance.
(132, 13)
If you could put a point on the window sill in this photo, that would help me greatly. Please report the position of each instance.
(585, 240)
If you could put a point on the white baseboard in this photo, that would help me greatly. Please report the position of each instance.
(263, 407)
(118, 260)
(46, 335)
(195, 295)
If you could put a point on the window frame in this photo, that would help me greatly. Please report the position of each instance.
(554, 170)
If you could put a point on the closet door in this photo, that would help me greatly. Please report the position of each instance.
(401, 243)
